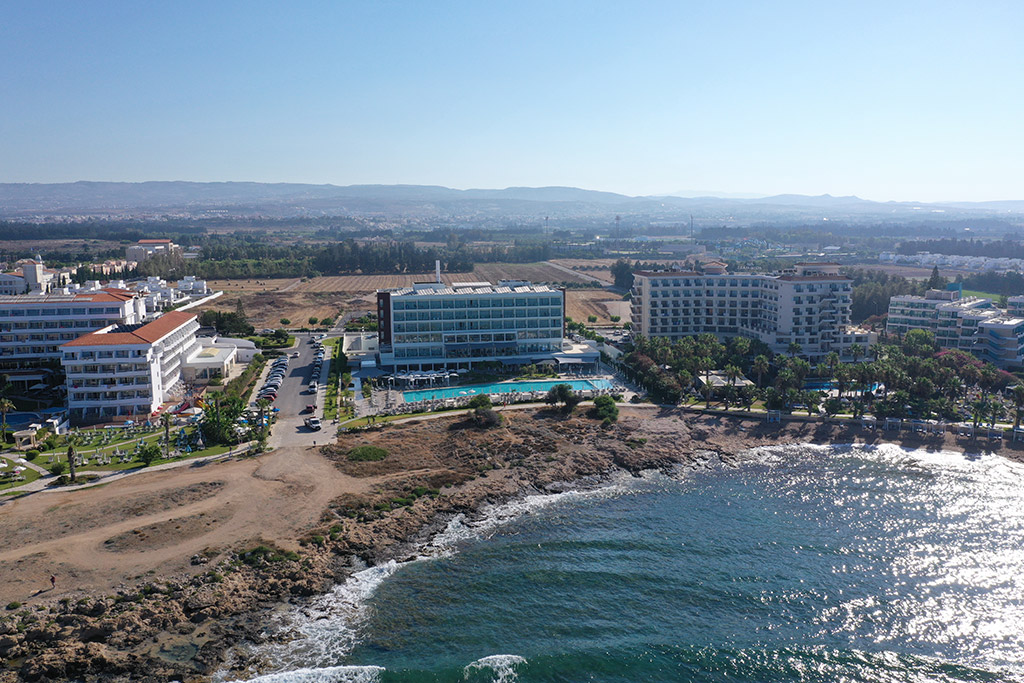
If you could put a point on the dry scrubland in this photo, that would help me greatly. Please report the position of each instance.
(581, 303)
(266, 302)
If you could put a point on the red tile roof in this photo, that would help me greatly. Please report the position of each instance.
(147, 334)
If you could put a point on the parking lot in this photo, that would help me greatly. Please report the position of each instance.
(293, 395)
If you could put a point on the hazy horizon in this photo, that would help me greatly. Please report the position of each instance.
(911, 103)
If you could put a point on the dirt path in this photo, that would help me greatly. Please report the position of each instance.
(153, 523)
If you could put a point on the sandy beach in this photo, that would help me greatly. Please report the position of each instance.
(153, 579)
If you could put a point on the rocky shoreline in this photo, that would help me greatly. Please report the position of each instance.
(189, 628)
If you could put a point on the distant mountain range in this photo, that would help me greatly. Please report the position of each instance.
(20, 200)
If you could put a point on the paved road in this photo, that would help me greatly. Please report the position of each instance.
(294, 396)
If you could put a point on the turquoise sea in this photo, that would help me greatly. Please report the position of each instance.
(803, 564)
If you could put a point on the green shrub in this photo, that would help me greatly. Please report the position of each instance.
(32, 454)
(13, 605)
(57, 468)
(480, 401)
(367, 453)
(605, 409)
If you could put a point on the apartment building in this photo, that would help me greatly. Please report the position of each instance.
(972, 324)
(433, 326)
(33, 326)
(144, 250)
(808, 304)
(31, 276)
(128, 370)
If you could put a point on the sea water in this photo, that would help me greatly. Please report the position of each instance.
(802, 564)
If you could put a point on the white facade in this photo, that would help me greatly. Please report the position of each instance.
(147, 249)
(434, 326)
(33, 326)
(809, 305)
(971, 324)
(128, 370)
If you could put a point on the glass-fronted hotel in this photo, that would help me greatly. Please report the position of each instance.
(433, 326)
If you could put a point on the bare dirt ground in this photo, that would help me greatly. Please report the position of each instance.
(581, 303)
(95, 539)
(266, 309)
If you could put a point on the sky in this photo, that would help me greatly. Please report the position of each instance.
(912, 101)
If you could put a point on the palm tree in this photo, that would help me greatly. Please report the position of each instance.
(857, 351)
(6, 406)
(263, 405)
(760, 367)
(979, 410)
(72, 441)
(794, 349)
(1018, 405)
(165, 421)
(832, 362)
(705, 366)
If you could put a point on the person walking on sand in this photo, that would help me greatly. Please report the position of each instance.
(53, 581)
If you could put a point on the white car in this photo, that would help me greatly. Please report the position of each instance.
(314, 423)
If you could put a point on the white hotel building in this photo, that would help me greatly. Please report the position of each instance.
(128, 370)
(972, 324)
(808, 305)
(33, 326)
(433, 326)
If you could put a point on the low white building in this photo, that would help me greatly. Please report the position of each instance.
(128, 370)
(144, 250)
(218, 356)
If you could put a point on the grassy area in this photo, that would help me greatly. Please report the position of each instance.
(339, 366)
(983, 295)
(243, 385)
(29, 474)
(115, 465)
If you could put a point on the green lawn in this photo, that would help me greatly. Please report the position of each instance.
(29, 474)
(983, 295)
(48, 458)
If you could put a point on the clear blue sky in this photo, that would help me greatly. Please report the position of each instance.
(887, 100)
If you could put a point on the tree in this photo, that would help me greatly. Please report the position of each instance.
(286, 321)
(1018, 405)
(591, 319)
(760, 367)
(794, 349)
(605, 409)
(6, 406)
(149, 453)
(165, 421)
(615, 318)
(812, 399)
(857, 351)
(263, 405)
(486, 417)
(479, 401)
(72, 441)
(562, 393)
(920, 343)
(936, 281)
(622, 273)
(705, 365)
(313, 320)
(833, 406)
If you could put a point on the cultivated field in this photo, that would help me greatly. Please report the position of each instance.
(581, 303)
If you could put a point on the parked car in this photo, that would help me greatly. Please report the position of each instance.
(314, 423)
(311, 408)
(313, 387)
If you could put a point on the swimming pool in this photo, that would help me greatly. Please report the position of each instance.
(828, 385)
(503, 388)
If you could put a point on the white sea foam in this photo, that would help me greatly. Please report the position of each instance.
(503, 666)
(328, 627)
(330, 674)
